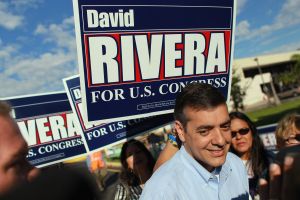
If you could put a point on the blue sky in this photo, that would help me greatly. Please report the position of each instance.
(38, 49)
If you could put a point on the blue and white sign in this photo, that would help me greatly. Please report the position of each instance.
(49, 127)
(135, 56)
(98, 136)
(267, 135)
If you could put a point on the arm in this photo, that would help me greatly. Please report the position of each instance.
(166, 154)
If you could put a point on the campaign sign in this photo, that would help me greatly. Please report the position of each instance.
(267, 135)
(97, 136)
(49, 127)
(136, 56)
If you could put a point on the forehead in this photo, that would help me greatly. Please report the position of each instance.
(238, 123)
(212, 116)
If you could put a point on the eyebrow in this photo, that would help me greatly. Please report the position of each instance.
(204, 127)
(211, 126)
(225, 123)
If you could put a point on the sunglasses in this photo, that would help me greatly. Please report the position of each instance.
(242, 131)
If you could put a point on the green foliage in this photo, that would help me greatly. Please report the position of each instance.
(271, 115)
(237, 93)
(291, 77)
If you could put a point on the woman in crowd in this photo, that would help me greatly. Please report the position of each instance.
(137, 166)
(247, 145)
(288, 131)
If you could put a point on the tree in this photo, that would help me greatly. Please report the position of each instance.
(291, 77)
(296, 68)
(237, 93)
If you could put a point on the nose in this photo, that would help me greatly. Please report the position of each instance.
(238, 136)
(218, 138)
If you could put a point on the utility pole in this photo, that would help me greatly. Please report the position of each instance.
(265, 88)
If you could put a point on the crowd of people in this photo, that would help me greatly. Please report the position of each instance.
(211, 154)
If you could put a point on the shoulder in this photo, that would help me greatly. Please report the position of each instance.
(236, 164)
(168, 170)
(233, 159)
(235, 174)
(163, 182)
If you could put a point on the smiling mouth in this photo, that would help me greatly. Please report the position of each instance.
(217, 153)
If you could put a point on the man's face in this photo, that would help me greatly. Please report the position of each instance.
(207, 135)
(14, 167)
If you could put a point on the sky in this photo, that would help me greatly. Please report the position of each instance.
(38, 47)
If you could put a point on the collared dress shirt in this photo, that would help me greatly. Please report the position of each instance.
(183, 178)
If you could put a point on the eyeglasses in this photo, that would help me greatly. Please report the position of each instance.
(293, 139)
(242, 131)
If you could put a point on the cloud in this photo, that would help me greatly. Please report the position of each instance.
(9, 20)
(25, 4)
(288, 15)
(36, 75)
(23, 73)
(293, 46)
(240, 5)
(243, 28)
(6, 51)
(61, 35)
(40, 29)
(12, 12)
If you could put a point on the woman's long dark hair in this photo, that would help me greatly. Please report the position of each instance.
(127, 176)
(258, 155)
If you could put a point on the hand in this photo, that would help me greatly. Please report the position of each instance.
(284, 180)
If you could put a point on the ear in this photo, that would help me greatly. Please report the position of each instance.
(180, 131)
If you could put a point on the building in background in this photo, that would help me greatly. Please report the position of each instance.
(259, 77)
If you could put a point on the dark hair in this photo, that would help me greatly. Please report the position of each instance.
(197, 96)
(127, 176)
(258, 155)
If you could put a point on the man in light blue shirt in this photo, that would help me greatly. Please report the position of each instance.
(203, 168)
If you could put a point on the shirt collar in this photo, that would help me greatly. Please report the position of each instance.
(223, 171)
(206, 175)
